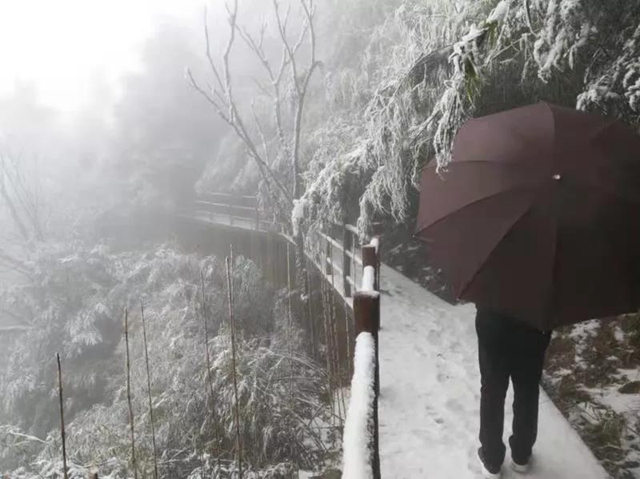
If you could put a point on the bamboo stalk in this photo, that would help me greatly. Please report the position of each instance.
(350, 350)
(62, 430)
(334, 329)
(290, 327)
(153, 427)
(131, 418)
(310, 323)
(205, 314)
(327, 340)
(232, 323)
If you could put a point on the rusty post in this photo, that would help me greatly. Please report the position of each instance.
(366, 309)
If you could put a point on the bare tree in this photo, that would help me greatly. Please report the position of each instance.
(287, 84)
(288, 76)
(63, 434)
(20, 198)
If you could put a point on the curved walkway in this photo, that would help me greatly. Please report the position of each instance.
(429, 396)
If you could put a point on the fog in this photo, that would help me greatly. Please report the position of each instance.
(107, 137)
(95, 108)
(139, 139)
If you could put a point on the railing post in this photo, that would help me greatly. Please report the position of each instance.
(366, 309)
(328, 261)
(257, 217)
(370, 258)
(346, 261)
(376, 242)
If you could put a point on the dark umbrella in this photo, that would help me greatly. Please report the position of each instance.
(538, 215)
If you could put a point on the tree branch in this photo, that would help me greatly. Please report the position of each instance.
(275, 81)
(12, 208)
(14, 263)
(260, 131)
(208, 97)
(527, 9)
(24, 324)
(302, 92)
(212, 64)
(236, 119)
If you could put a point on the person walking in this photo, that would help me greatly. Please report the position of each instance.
(508, 349)
(536, 215)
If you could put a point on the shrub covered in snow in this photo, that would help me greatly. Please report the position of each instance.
(76, 301)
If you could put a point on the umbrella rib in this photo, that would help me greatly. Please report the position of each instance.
(515, 189)
(501, 164)
(466, 285)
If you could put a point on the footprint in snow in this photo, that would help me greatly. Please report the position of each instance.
(454, 406)
(434, 416)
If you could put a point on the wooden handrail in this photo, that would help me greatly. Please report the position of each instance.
(351, 229)
(226, 205)
(233, 209)
(230, 195)
(366, 308)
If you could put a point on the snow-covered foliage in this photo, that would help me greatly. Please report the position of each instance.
(401, 76)
(358, 426)
(75, 303)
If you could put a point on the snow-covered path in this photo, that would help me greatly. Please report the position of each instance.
(429, 395)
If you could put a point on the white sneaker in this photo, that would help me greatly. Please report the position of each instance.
(485, 472)
(519, 468)
(489, 475)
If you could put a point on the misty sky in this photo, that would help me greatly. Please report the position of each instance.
(67, 48)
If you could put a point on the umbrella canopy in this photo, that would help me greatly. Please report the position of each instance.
(538, 215)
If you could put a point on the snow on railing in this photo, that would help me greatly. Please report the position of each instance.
(358, 428)
(368, 279)
(361, 458)
(245, 212)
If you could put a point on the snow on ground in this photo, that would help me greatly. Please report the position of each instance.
(429, 396)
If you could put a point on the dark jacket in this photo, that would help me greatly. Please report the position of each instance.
(509, 335)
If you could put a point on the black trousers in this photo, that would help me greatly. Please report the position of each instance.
(512, 349)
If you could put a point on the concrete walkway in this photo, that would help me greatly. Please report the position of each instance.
(430, 395)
